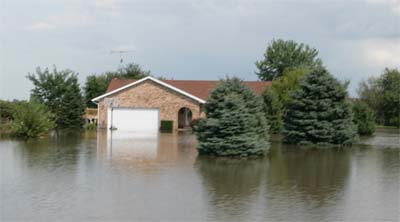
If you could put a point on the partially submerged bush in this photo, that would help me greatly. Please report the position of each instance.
(31, 120)
(91, 126)
(167, 126)
(235, 123)
(364, 118)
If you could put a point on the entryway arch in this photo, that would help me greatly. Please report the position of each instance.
(184, 118)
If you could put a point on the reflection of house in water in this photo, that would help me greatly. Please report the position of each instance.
(142, 151)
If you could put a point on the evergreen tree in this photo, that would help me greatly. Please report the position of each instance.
(273, 110)
(364, 118)
(60, 92)
(235, 123)
(319, 112)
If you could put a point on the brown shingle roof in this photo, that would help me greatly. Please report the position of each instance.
(199, 88)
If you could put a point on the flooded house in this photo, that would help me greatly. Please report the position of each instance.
(142, 105)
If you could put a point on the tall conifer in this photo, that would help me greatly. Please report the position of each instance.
(235, 123)
(319, 112)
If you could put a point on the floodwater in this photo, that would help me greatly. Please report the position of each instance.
(93, 177)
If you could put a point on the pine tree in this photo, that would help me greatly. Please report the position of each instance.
(319, 112)
(235, 123)
(273, 110)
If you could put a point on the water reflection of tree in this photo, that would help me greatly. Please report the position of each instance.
(60, 148)
(316, 174)
(232, 184)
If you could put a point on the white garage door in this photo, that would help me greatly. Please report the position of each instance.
(141, 121)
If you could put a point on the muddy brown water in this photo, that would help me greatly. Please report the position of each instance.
(97, 178)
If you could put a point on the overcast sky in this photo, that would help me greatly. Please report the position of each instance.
(184, 39)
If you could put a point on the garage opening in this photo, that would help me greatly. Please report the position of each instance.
(133, 120)
(184, 118)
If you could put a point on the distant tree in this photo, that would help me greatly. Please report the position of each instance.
(382, 94)
(369, 91)
(132, 71)
(284, 55)
(273, 110)
(7, 109)
(287, 83)
(363, 118)
(390, 85)
(61, 93)
(31, 120)
(96, 85)
(319, 112)
(235, 123)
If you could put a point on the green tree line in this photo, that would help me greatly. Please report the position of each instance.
(304, 102)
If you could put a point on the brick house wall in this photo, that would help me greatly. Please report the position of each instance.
(149, 94)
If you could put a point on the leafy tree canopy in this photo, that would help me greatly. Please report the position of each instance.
(59, 90)
(7, 109)
(96, 85)
(273, 110)
(235, 123)
(319, 111)
(382, 94)
(287, 83)
(284, 55)
(363, 118)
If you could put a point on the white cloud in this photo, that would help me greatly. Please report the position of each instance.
(41, 26)
(382, 52)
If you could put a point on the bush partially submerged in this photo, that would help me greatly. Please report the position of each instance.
(364, 118)
(235, 123)
(31, 120)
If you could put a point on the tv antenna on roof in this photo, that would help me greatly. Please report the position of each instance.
(121, 52)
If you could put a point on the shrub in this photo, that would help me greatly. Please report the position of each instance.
(319, 112)
(7, 109)
(31, 120)
(235, 123)
(364, 118)
(91, 126)
(167, 126)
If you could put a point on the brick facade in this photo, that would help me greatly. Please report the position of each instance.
(149, 94)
